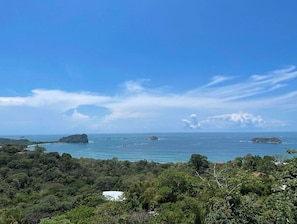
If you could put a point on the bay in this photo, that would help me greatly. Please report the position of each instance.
(171, 147)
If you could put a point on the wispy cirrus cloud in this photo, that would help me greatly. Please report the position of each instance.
(217, 79)
(135, 86)
(263, 94)
(253, 87)
(55, 99)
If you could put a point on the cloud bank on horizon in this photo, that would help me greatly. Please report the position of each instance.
(261, 102)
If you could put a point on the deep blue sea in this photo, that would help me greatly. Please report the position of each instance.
(171, 147)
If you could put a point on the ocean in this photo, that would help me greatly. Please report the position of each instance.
(171, 147)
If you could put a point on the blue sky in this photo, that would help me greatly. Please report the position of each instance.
(147, 66)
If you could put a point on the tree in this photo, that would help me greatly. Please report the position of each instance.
(39, 149)
(105, 183)
(291, 151)
(171, 184)
(199, 163)
(81, 215)
(112, 212)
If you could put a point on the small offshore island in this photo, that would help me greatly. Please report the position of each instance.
(153, 138)
(77, 138)
(273, 140)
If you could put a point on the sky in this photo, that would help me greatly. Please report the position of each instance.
(147, 66)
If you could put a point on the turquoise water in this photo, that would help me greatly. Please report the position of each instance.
(171, 147)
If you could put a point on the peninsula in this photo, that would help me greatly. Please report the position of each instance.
(77, 138)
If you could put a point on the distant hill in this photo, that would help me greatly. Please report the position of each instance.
(8, 141)
(77, 138)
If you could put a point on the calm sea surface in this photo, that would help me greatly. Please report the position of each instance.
(171, 147)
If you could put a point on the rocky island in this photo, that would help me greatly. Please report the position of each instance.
(77, 138)
(273, 140)
(153, 138)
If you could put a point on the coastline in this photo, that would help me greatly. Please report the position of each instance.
(172, 147)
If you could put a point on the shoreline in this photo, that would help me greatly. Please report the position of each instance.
(173, 148)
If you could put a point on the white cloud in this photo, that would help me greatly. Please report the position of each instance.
(241, 119)
(193, 122)
(79, 116)
(217, 79)
(139, 103)
(135, 86)
(232, 120)
(193, 116)
(55, 99)
(255, 86)
(11, 101)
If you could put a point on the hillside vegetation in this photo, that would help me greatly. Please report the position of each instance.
(48, 188)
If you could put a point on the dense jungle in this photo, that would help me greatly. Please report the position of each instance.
(46, 187)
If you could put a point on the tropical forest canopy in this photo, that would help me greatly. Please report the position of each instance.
(47, 188)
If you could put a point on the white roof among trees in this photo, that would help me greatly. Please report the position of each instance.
(113, 195)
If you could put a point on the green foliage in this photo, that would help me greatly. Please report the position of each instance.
(199, 163)
(39, 149)
(291, 151)
(82, 215)
(41, 184)
(171, 184)
(39, 187)
(111, 213)
(55, 220)
(16, 142)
